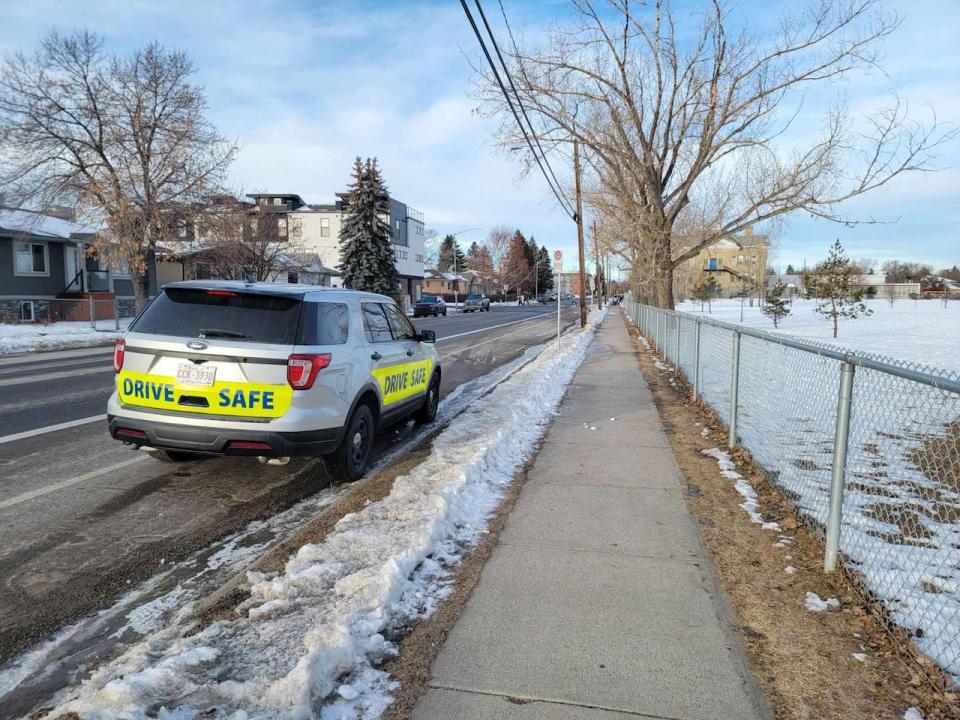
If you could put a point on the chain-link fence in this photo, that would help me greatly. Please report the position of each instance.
(867, 448)
(99, 313)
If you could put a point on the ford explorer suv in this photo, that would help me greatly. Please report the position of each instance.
(270, 370)
(476, 302)
(429, 305)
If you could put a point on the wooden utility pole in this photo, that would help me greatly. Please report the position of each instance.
(583, 274)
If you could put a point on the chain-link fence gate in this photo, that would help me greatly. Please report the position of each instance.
(867, 448)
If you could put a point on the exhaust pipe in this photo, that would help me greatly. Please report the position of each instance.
(264, 460)
(147, 448)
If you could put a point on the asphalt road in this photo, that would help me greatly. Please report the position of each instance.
(82, 517)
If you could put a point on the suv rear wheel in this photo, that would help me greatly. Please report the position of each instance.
(172, 456)
(351, 458)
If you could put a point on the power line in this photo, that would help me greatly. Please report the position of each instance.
(506, 95)
(506, 72)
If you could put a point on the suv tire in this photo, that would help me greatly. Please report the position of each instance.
(173, 456)
(350, 460)
(428, 411)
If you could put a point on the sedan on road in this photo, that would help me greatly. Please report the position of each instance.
(429, 305)
(476, 302)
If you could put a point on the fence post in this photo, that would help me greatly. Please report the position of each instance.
(116, 313)
(837, 479)
(93, 316)
(696, 363)
(734, 390)
(677, 361)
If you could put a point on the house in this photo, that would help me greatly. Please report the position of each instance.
(793, 283)
(451, 286)
(49, 272)
(731, 267)
(316, 229)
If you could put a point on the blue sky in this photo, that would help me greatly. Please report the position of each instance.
(306, 86)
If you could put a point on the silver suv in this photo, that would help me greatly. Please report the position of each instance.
(270, 370)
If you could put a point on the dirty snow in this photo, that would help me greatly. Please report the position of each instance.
(860, 657)
(309, 639)
(814, 603)
(912, 714)
(790, 570)
(31, 337)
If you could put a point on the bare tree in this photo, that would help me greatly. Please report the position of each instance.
(683, 129)
(124, 139)
(498, 242)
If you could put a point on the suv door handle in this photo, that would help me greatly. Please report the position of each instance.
(376, 356)
(409, 353)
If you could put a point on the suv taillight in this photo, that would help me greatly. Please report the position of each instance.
(302, 369)
(118, 348)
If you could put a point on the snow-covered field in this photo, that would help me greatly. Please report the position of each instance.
(901, 509)
(57, 336)
(922, 331)
(308, 640)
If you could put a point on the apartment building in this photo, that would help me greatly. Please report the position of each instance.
(731, 267)
(316, 229)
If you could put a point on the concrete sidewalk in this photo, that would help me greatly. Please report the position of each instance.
(598, 603)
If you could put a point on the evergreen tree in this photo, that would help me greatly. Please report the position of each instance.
(777, 307)
(837, 297)
(544, 269)
(703, 293)
(366, 248)
(451, 258)
(790, 270)
(472, 253)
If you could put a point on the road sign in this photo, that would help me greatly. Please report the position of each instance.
(558, 255)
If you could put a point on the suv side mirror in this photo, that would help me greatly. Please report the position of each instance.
(428, 336)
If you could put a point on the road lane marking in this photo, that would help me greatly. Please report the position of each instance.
(51, 428)
(16, 500)
(24, 358)
(54, 365)
(53, 376)
(494, 327)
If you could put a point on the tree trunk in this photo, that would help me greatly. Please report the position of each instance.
(141, 291)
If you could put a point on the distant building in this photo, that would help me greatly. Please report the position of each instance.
(451, 285)
(316, 229)
(731, 267)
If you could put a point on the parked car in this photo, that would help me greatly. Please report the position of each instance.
(476, 302)
(270, 370)
(429, 305)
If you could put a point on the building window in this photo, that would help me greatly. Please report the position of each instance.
(26, 311)
(31, 259)
(400, 254)
(182, 231)
(297, 228)
(324, 227)
(419, 258)
(293, 278)
(419, 229)
(278, 201)
(282, 225)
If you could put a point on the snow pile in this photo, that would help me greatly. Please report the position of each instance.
(749, 495)
(814, 603)
(309, 638)
(56, 336)
(912, 714)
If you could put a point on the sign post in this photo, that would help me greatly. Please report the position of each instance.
(558, 261)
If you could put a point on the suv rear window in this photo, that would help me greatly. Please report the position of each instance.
(428, 299)
(474, 297)
(222, 314)
(324, 323)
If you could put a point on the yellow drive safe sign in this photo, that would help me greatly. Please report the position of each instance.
(223, 398)
(399, 382)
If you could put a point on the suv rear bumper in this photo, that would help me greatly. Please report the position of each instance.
(217, 441)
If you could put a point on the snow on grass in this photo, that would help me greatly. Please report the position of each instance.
(56, 336)
(921, 331)
(308, 640)
(749, 495)
(912, 714)
(901, 510)
(814, 603)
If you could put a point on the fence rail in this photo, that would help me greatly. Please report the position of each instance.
(867, 448)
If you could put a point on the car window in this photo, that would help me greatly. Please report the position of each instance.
(325, 323)
(402, 329)
(223, 314)
(375, 322)
(428, 299)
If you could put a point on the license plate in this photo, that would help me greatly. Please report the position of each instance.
(190, 374)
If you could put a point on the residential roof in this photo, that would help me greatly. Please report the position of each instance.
(39, 225)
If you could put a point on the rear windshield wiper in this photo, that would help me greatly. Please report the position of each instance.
(217, 332)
